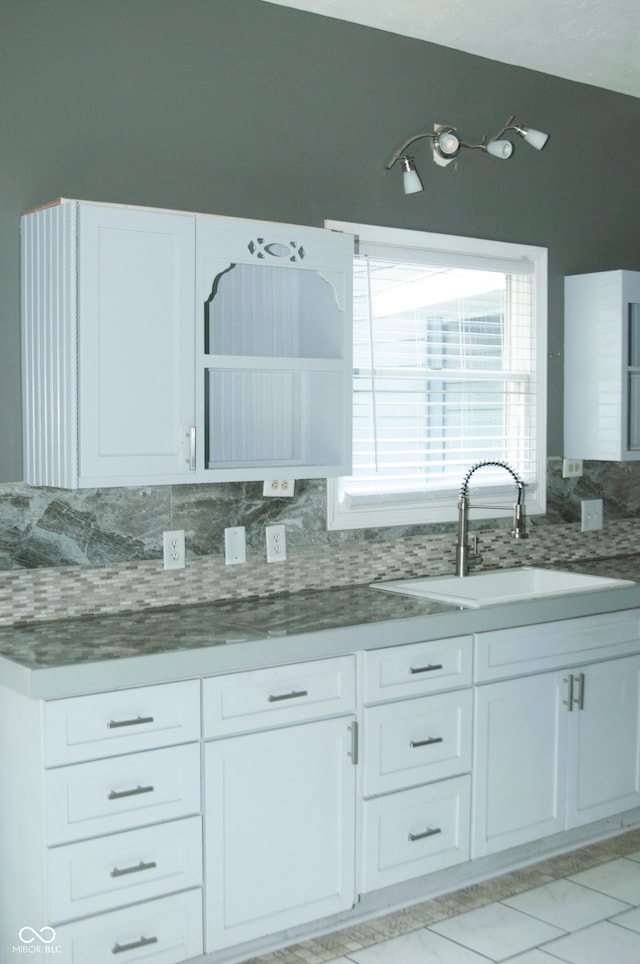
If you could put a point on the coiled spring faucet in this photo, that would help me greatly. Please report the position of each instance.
(465, 555)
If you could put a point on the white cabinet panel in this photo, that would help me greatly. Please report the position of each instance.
(415, 832)
(273, 697)
(108, 343)
(106, 724)
(97, 875)
(163, 931)
(87, 799)
(602, 365)
(416, 741)
(519, 762)
(405, 671)
(280, 816)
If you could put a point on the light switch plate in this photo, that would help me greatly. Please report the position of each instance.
(235, 546)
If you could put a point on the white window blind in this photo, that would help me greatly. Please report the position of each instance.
(447, 372)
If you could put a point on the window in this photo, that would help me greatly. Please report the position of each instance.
(449, 370)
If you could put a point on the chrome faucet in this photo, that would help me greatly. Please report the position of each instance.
(465, 555)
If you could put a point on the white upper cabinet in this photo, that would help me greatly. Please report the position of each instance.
(273, 359)
(108, 341)
(602, 366)
(162, 347)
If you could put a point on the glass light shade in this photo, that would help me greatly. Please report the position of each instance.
(503, 149)
(536, 138)
(447, 143)
(410, 178)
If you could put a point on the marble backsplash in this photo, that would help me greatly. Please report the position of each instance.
(98, 551)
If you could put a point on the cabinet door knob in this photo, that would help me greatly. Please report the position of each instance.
(569, 700)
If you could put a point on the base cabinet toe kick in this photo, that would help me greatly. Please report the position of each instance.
(190, 820)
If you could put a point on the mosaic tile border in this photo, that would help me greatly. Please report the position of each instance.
(65, 592)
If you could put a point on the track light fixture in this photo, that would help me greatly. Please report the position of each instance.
(446, 145)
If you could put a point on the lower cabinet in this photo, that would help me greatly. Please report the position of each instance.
(280, 829)
(554, 751)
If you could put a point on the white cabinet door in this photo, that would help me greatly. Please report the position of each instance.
(279, 829)
(519, 762)
(604, 741)
(136, 344)
(107, 344)
(602, 348)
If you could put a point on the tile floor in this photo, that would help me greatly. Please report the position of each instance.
(582, 907)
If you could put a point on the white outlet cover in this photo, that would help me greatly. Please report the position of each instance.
(276, 543)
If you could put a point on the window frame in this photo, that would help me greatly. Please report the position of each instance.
(438, 508)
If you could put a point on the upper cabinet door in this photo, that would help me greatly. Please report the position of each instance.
(108, 341)
(273, 350)
(136, 315)
(602, 366)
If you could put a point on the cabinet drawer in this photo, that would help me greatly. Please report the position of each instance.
(105, 724)
(402, 671)
(163, 931)
(283, 694)
(415, 832)
(533, 649)
(89, 799)
(417, 741)
(97, 875)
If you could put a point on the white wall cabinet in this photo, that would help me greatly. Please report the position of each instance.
(602, 366)
(554, 751)
(162, 347)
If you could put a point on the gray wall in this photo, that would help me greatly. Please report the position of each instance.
(246, 108)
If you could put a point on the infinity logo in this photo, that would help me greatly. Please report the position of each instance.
(37, 935)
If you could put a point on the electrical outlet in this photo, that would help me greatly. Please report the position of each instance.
(571, 468)
(173, 549)
(279, 487)
(276, 543)
(235, 546)
(591, 514)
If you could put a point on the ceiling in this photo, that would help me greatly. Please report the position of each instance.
(594, 42)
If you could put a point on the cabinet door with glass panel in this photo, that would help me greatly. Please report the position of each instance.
(602, 366)
(273, 352)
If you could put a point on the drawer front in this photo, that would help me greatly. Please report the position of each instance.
(163, 931)
(272, 697)
(396, 673)
(105, 796)
(106, 724)
(417, 741)
(415, 832)
(533, 649)
(98, 875)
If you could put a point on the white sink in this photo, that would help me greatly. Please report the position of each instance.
(501, 586)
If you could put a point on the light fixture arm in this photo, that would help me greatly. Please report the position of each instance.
(401, 152)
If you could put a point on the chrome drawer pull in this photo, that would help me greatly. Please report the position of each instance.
(113, 724)
(119, 948)
(432, 739)
(425, 669)
(116, 872)
(294, 694)
(117, 794)
(429, 832)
